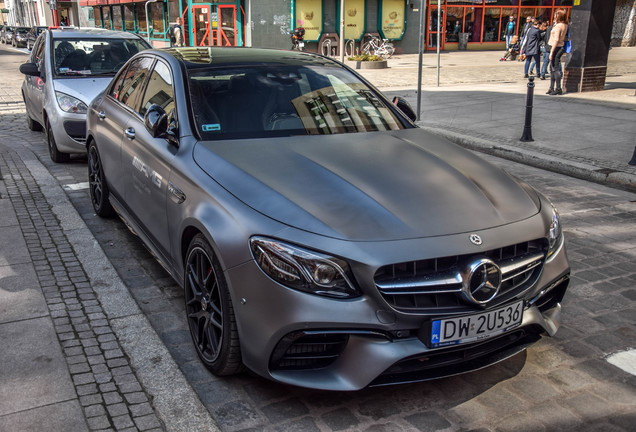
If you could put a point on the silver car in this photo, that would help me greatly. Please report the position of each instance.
(321, 238)
(67, 69)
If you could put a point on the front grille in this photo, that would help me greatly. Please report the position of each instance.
(435, 285)
(308, 350)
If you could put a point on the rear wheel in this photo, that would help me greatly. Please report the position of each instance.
(56, 155)
(98, 188)
(209, 310)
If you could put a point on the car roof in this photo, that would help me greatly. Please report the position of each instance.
(194, 58)
(90, 33)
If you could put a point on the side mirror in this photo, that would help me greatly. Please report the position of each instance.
(30, 69)
(405, 107)
(156, 122)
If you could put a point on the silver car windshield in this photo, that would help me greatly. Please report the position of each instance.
(75, 57)
(281, 100)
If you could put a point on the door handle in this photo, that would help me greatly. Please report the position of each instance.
(176, 194)
(101, 115)
(130, 133)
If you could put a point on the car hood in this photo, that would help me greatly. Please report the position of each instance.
(367, 186)
(84, 89)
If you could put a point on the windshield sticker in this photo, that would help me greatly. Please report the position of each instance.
(211, 127)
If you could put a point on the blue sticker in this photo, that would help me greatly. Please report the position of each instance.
(211, 127)
(436, 332)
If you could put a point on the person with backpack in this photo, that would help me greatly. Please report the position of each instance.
(175, 33)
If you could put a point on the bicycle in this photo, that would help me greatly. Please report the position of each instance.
(379, 47)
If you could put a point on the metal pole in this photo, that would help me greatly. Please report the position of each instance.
(439, 26)
(342, 35)
(527, 127)
(148, 19)
(419, 66)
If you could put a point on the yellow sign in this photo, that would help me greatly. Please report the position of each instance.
(354, 18)
(577, 2)
(309, 16)
(393, 18)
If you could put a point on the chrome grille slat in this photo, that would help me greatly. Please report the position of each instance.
(435, 285)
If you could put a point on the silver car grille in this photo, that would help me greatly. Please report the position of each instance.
(435, 285)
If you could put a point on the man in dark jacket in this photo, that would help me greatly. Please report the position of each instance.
(532, 46)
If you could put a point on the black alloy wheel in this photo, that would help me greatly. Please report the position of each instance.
(209, 310)
(98, 188)
(56, 155)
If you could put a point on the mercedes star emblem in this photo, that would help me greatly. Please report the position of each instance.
(481, 281)
(475, 239)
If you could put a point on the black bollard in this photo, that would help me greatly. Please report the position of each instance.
(633, 161)
(527, 127)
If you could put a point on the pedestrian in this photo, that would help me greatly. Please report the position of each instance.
(509, 32)
(63, 22)
(544, 48)
(526, 28)
(176, 34)
(556, 42)
(533, 39)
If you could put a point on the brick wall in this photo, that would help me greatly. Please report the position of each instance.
(584, 79)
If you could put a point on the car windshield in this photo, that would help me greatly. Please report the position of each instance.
(74, 57)
(22, 30)
(282, 100)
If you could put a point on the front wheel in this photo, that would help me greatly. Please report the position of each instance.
(56, 155)
(209, 310)
(98, 189)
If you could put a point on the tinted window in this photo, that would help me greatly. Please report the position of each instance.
(279, 100)
(116, 87)
(73, 57)
(159, 90)
(132, 85)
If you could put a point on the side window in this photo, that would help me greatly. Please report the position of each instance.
(132, 85)
(117, 83)
(159, 90)
(37, 56)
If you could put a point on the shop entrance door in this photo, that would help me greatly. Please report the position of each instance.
(214, 25)
(201, 24)
(226, 26)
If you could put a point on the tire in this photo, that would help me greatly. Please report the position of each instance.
(349, 48)
(209, 310)
(33, 125)
(98, 188)
(390, 50)
(56, 155)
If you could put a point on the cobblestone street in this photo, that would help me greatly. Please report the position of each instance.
(120, 321)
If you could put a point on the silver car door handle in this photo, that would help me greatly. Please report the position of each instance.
(130, 133)
(176, 194)
(101, 115)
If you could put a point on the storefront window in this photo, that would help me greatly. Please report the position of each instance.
(545, 14)
(129, 17)
(140, 12)
(505, 15)
(563, 2)
(106, 18)
(531, 2)
(454, 23)
(492, 20)
(117, 24)
(158, 24)
(98, 16)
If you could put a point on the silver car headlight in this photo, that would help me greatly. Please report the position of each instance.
(555, 233)
(70, 104)
(304, 270)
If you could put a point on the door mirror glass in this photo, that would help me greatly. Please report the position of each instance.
(405, 107)
(30, 69)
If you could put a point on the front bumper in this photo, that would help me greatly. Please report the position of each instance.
(69, 129)
(364, 341)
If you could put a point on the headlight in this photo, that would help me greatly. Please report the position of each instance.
(70, 104)
(303, 270)
(555, 233)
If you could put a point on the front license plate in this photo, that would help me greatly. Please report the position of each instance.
(471, 328)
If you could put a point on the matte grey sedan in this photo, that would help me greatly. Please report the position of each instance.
(321, 238)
